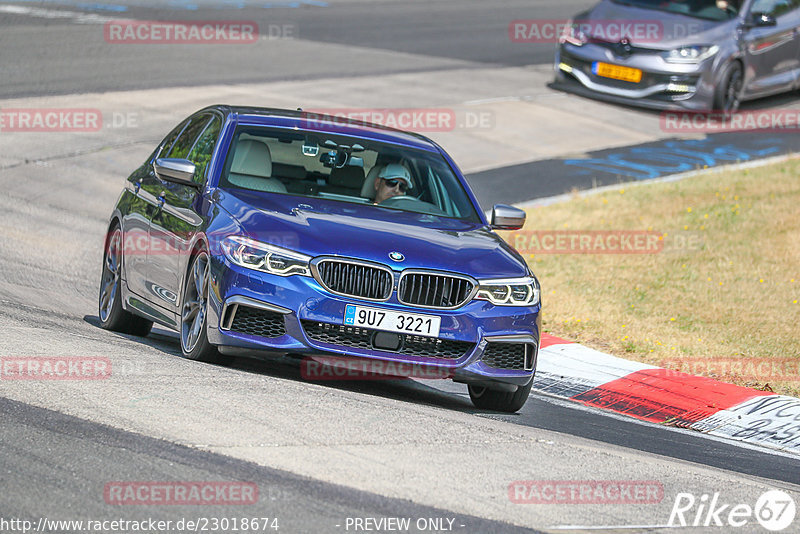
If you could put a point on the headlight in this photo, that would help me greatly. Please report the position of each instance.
(572, 34)
(690, 54)
(267, 258)
(510, 291)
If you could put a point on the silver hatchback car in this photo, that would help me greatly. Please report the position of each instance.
(695, 55)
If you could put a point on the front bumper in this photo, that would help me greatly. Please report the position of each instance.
(665, 86)
(253, 312)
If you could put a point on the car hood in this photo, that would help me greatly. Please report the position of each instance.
(672, 30)
(318, 227)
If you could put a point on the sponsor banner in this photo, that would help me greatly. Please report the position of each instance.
(586, 492)
(180, 493)
(181, 32)
(772, 420)
(54, 368)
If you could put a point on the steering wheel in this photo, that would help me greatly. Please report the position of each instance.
(412, 204)
(398, 198)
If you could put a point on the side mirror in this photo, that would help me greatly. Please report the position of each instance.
(507, 217)
(762, 20)
(179, 171)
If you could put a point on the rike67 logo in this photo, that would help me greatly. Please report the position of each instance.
(774, 510)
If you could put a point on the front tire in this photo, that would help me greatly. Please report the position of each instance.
(112, 316)
(501, 401)
(728, 94)
(194, 306)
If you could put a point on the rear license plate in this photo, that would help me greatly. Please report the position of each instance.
(392, 321)
(617, 72)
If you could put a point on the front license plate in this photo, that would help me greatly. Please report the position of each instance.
(392, 321)
(617, 72)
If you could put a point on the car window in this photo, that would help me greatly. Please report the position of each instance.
(775, 8)
(181, 147)
(166, 144)
(203, 148)
(341, 168)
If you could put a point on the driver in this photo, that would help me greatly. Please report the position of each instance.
(392, 181)
(728, 5)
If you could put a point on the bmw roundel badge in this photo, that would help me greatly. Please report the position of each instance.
(396, 256)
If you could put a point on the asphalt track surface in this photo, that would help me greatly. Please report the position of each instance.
(602, 168)
(57, 464)
(56, 453)
(41, 56)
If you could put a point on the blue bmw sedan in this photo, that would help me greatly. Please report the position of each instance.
(262, 231)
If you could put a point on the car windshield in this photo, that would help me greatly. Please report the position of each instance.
(347, 169)
(702, 9)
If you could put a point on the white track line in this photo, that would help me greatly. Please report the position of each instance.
(57, 14)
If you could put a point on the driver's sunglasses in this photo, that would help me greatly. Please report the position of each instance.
(394, 183)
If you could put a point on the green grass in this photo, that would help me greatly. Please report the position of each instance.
(725, 287)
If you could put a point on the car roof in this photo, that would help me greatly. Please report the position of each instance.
(320, 122)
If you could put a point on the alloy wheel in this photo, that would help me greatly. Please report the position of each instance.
(193, 313)
(110, 279)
